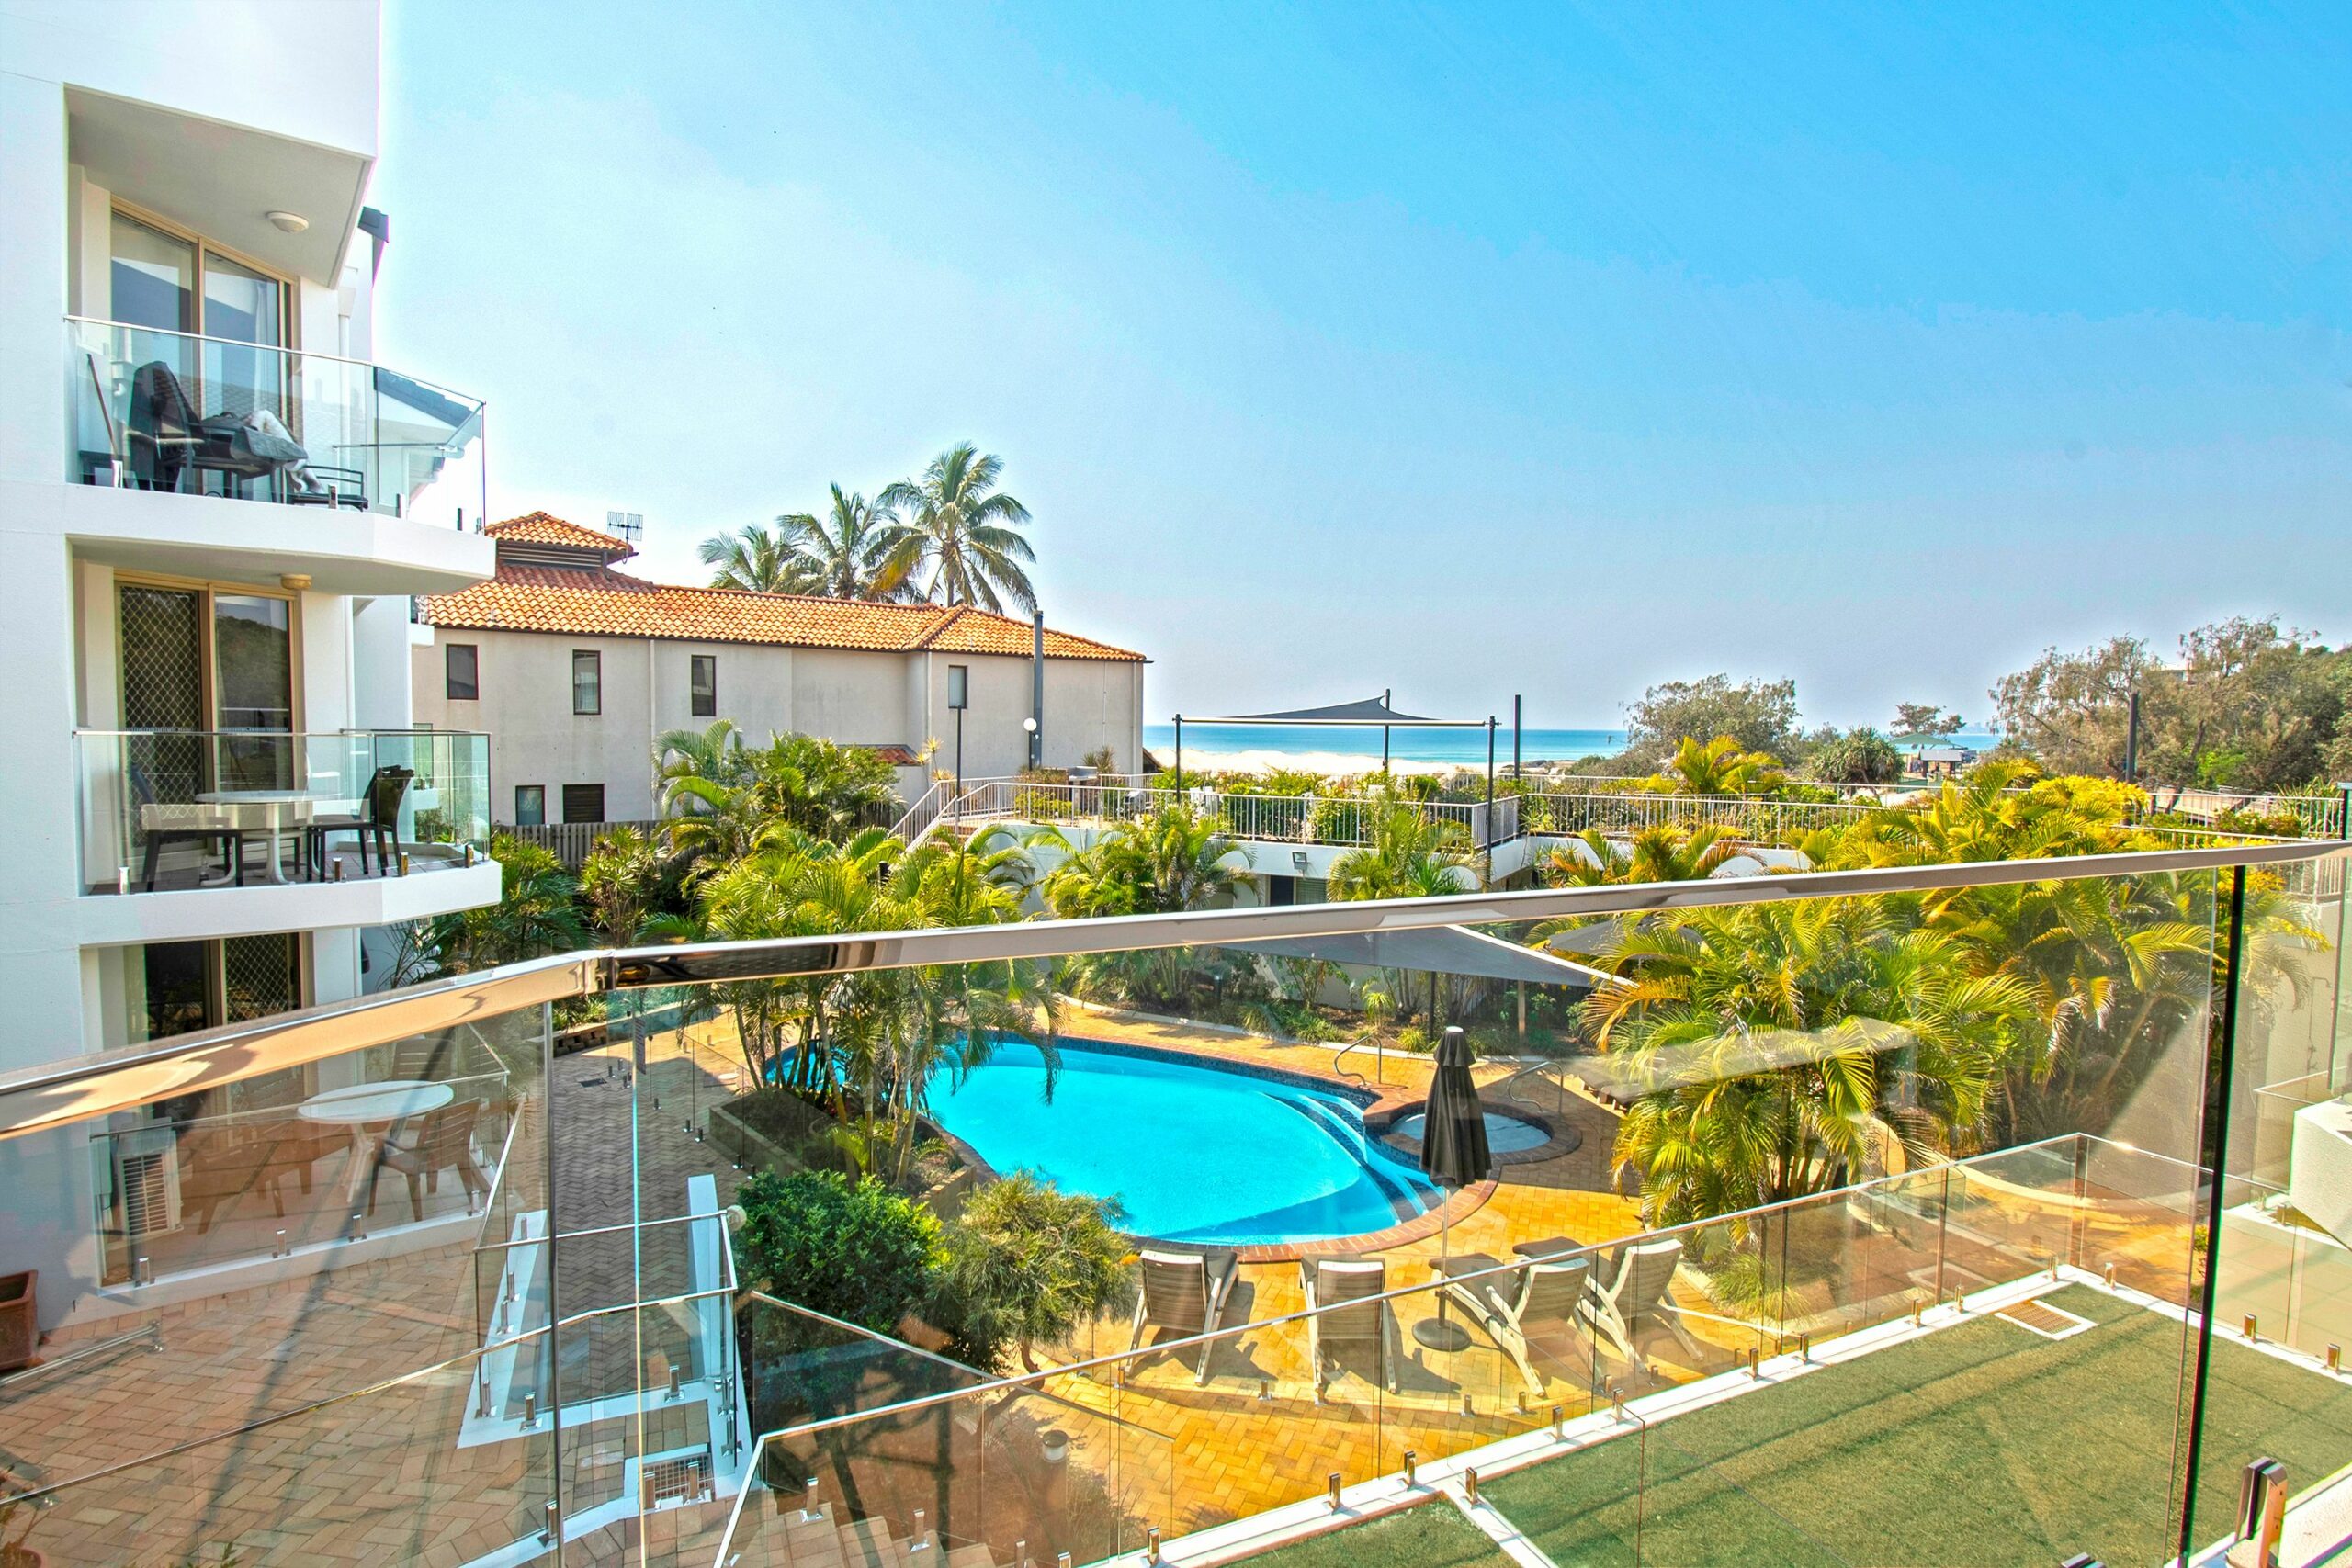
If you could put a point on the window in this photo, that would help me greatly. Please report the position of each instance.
(530, 805)
(705, 681)
(463, 667)
(587, 686)
(584, 803)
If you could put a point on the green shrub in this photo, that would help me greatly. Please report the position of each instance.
(858, 1252)
(1026, 1263)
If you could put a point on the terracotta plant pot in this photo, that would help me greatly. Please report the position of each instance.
(19, 1323)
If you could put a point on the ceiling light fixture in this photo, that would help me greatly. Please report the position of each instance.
(292, 222)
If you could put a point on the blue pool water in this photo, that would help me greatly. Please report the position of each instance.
(1194, 1154)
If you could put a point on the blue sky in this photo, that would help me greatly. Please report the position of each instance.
(1466, 351)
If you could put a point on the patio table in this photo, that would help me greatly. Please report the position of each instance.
(371, 1110)
(274, 812)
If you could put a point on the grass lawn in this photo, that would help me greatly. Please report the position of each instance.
(1434, 1535)
(1982, 1444)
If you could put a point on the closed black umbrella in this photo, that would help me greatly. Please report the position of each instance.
(1454, 1154)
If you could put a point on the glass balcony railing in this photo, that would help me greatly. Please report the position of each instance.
(172, 809)
(1849, 1234)
(165, 410)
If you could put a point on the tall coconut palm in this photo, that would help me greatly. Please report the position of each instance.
(963, 532)
(853, 552)
(759, 559)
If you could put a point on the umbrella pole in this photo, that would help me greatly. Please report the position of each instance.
(1441, 1334)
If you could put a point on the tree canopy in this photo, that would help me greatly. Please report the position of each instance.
(2249, 705)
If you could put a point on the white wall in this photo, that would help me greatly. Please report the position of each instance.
(860, 698)
(299, 68)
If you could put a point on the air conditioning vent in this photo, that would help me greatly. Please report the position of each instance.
(147, 1182)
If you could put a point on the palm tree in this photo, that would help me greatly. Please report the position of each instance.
(859, 550)
(1411, 853)
(1719, 767)
(1660, 852)
(1781, 1048)
(853, 552)
(965, 531)
(1036, 1262)
(621, 881)
(759, 560)
(1172, 860)
(536, 912)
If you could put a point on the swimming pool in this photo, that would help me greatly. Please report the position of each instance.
(1195, 1153)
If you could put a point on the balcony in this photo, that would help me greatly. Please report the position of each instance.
(425, 1277)
(272, 831)
(382, 470)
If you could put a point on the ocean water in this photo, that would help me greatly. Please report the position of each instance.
(1464, 746)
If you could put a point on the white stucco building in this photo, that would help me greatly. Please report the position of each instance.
(214, 507)
(575, 669)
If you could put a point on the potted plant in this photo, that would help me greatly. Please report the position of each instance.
(14, 1553)
(19, 1320)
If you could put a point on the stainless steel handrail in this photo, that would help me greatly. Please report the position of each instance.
(1377, 1055)
(479, 405)
(70, 1090)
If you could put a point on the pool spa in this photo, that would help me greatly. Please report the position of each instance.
(1194, 1152)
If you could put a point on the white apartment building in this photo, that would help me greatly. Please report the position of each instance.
(575, 669)
(214, 508)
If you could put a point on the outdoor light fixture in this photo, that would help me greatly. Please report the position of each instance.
(1298, 861)
(1030, 724)
(294, 581)
(288, 222)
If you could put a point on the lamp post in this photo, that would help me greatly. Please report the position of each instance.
(959, 697)
(1030, 724)
(2132, 738)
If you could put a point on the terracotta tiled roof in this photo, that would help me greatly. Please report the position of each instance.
(544, 528)
(896, 755)
(592, 601)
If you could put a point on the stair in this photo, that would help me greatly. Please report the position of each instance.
(787, 1540)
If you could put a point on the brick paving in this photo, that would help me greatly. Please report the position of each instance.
(379, 1479)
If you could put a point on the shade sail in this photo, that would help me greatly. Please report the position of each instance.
(1445, 950)
(1737, 1053)
(1372, 712)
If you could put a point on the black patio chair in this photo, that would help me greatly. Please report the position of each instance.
(378, 822)
(168, 439)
